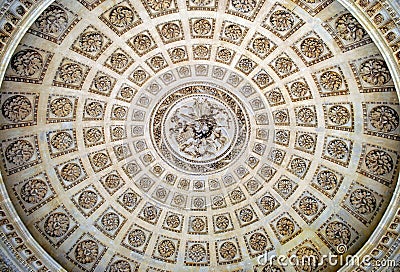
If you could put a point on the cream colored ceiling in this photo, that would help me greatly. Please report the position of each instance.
(96, 162)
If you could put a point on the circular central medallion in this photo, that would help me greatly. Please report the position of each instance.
(199, 128)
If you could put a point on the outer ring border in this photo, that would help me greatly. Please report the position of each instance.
(51, 264)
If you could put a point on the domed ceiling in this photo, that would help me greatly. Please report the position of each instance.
(172, 135)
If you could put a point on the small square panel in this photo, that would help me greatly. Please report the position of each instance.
(379, 164)
(222, 222)
(228, 180)
(218, 202)
(347, 38)
(184, 71)
(309, 207)
(306, 141)
(161, 193)
(245, 65)
(34, 192)
(337, 150)
(50, 31)
(122, 152)
(331, 81)
(224, 55)
(234, 79)
(88, 200)
(210, 5)
(150, 213)
(236, 195)
(337, 232)
(70, 74)
(228, 251)
(156, 8)
(129, 199)
(283, 66)
(261, 46)
(362, 202)
(71, 173)
(86, 252)
(57, 225)
(202, 28)
(311, 49)
(313, 7)
(91, 43)
(198, 225)
(173, 222)
(267, 203)
(298, 166)
(61, 142)
(171, 31)
(137, 239)
(307, 250)
(178, 54)
(266, 172)
(32, 71)
(119, 112)
(276, 155)
(166, 249)
(144, 183)
(375, 112)
(339, 116)
(99, 160)
(142, 43)
(262, 79)
(201, 51)
(110, 222)
(285, 187)
(246, 10)
(91, 4)
(179, 200)
(117, 133)
(281, 117)
(368, 78)
(197, 253)
(26, 115)
(94, 109)
(253, 186)
(139, 76)
(121, 17)
(257, 242)
(299, 89)
(252, 162)
(285, 227)
(306, 116)
(20, 153)
(93, 136)
(126, 93)
(327, 181)
(262, 134)
(274, 97)
(233, 32)
(241, 172)
(112, 182)
(282, 137)
(246, 215)
(157, 62)
(118, 261)
(198, 203)
(61, 108)
(119, 61)
(214, 184)
(282, 22)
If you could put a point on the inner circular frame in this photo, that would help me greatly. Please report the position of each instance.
(206, 90)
